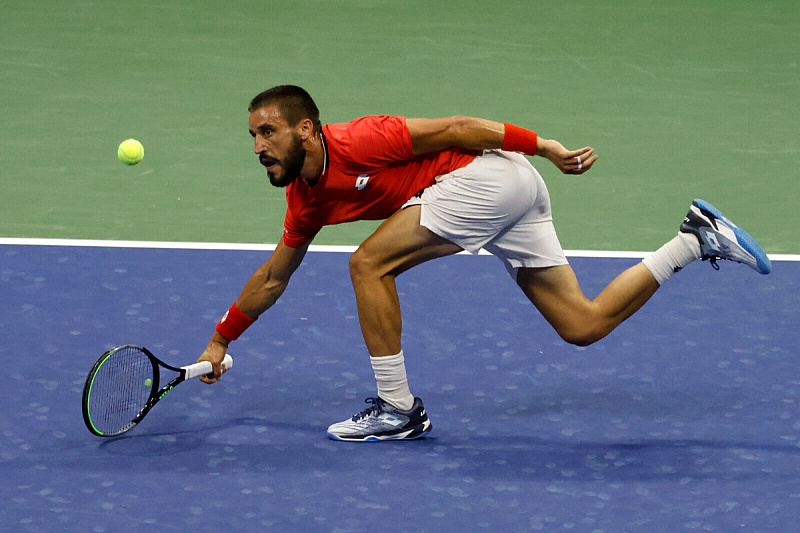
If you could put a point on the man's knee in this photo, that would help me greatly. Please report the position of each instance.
(583, 333)
(579, 338)
(362, 265)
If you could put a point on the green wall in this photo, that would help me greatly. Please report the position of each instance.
(680, 99)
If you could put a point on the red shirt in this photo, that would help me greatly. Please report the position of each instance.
(371, 172)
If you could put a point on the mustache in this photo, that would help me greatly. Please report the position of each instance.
(267, 161)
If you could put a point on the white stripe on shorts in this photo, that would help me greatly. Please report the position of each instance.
(498, 202)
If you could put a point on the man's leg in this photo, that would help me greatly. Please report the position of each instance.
(556, 294)
(397, 245)
(705, 233)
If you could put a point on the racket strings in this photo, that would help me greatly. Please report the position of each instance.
(120, 389)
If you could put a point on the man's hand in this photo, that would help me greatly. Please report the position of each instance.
(215, 353)
(567, 161)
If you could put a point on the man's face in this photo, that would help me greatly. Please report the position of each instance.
(278, 146)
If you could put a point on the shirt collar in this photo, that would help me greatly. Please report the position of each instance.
(325, 150)
(324, 162)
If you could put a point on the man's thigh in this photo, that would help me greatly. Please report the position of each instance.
(555, 292)
(401, 243)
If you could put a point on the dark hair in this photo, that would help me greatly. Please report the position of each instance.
(294, 103)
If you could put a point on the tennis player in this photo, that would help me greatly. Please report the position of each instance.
(442, 185)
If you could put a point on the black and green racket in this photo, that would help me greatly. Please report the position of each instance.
(123, 386)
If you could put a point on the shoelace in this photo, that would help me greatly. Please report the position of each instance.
(713, 260)
(375, 409)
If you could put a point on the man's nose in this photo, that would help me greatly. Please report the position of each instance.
(259, 145)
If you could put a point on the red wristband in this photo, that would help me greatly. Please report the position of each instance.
(234, 323)
(518, 139)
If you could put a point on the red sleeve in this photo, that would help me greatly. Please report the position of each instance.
(294, 234)
(375, 141)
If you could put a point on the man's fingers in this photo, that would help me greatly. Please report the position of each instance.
(585, 163)
(583, 153)
(214, 354)
(580, 163)
(217, 369)
(583, 156)
(576, 161)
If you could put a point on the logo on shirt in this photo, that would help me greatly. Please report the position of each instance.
(361, 182)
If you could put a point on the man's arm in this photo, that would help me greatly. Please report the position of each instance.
(259, 294)
(433, 135)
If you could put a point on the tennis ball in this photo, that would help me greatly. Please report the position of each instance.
(148, 382)
(130, 152)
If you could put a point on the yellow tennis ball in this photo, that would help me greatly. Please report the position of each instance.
(130, 152)
(148, 382)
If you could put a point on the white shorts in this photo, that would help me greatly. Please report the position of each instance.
(498, 202)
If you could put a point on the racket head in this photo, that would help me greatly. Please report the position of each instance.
(118, 389)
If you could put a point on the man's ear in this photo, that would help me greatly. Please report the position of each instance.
(305, 129)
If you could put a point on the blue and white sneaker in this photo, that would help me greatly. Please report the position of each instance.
(382, 421)
(722, 239)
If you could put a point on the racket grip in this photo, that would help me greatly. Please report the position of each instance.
(204, 367)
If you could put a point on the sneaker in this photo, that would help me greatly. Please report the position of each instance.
(722, 239)
(382, 421)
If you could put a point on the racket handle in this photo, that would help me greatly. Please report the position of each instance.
(204, 367)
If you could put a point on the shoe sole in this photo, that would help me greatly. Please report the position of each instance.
(409, 434)
(743, 238)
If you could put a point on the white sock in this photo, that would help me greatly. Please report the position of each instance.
(673, 256)
(390, 373)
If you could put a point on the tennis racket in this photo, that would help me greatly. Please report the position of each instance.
(123, 386)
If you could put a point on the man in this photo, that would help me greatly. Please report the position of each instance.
(443, 185)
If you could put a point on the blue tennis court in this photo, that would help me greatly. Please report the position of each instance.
(684, 419)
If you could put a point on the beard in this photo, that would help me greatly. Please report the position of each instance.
(292, 165)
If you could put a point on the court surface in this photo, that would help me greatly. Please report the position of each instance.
(684, 419)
